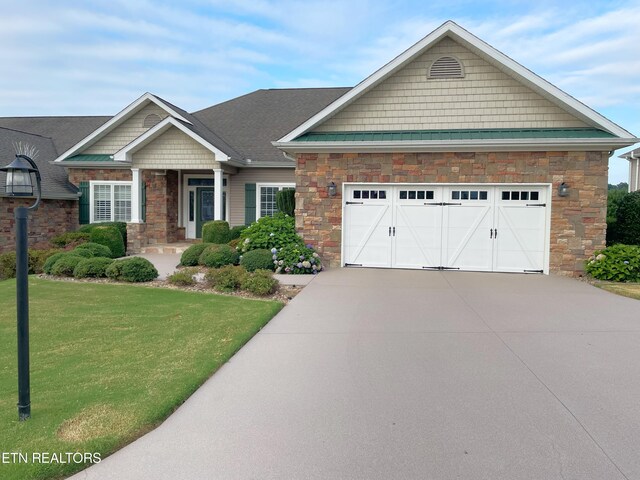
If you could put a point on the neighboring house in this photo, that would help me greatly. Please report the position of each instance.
(634, 168)
(448, 157)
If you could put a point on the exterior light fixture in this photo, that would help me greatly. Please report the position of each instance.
(332, 189)
(563, 190)
(19, 184)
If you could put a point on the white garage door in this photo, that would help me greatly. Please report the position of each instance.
(463, 227)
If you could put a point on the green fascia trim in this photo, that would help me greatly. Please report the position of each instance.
(479, 134)
(90, 158)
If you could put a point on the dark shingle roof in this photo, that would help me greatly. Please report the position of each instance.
(251, 122)
(55, 183)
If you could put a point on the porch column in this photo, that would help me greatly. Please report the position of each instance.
(136, 204)
(217, 202)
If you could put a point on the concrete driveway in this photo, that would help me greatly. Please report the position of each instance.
(381, 374)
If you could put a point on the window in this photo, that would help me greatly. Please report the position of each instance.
(266, 198)
(520, 195)
(110, 201)
(370, 194)
(469, 195)
(416, 195)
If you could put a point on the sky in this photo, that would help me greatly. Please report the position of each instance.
(94, 57)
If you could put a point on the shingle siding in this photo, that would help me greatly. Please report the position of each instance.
(125, 133)
(174, 150)
(485, 98)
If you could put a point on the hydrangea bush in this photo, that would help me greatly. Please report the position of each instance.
(618, 263)
(270, 232)
(296, 259)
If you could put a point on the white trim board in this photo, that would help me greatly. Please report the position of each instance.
(486, 51)
(269, 184)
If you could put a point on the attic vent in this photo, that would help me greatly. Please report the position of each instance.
(446, 67)
(151, 120)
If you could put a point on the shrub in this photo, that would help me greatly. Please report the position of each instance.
(218, 255)
(628, 219)
(216, 231)
(132, 269)
(65, 265)
(82, 252)
(296, 259)
(7, 265)
(36, 261)
(259, 259)
(95, 248)
(183, 278)
(234, 243)
(227, 278)
(95, 267)
(109, 237)
(50, 262)
(286, 201)
(260, 282)
(121, 226)
(191, 255)
(235, 232)
(70, 238)
(618, 263)
(270, 232)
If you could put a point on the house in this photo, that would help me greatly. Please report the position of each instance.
(451, 156)
(634, 168)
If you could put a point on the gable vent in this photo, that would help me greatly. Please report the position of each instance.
(151, 120)
(446, 67)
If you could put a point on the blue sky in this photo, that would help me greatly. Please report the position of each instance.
(90, 57)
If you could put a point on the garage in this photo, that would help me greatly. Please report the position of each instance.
(489, 228)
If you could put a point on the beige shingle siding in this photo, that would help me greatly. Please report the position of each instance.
(253, 175)
(126, 132)
(485, 98)
(174, 150)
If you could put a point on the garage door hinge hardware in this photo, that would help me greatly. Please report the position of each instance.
(536, 204)
(352, 264)
(441, 268)
(355, 203)
(533, 271)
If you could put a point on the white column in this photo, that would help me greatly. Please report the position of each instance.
(217, 201)
(136, 204)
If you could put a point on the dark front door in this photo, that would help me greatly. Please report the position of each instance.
(204, 208)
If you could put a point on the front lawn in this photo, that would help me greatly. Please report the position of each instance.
(631, 290)
(109, 362)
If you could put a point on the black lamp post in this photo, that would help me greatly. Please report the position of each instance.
(19, 184)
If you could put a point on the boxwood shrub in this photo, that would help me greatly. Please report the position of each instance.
(627, 225)
(109, 237)
(227, 278)
(65, 265)
(618, 263)
(190, 256)
(36, 259)
(218, 255)
(69, 238)
(215, 231)
(95, 267)
(132, 269)
(235, 232)
(82, 252)
(95, 248)
(259, 259)
(50, 262)
(260, 282)
(121, 226)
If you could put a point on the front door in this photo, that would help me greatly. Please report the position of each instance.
(204, 208)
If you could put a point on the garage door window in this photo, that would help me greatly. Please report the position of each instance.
(520, 195)
(415, 195)
(469, 195)
(369, 194)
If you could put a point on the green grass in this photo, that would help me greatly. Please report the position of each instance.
(631, 290)
(109, 362)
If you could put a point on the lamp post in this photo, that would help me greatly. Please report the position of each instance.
(19, 184)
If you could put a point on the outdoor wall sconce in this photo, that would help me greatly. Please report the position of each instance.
(563, 190)
(332, 189)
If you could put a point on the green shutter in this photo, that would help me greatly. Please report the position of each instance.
(249, 203)
(83, 204)
(143, 201)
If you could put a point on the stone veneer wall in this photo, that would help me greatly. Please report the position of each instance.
(51, 218)
(578, 222)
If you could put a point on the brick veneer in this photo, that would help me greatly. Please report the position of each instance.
(51, 218)
(77, 175)
(578, 222)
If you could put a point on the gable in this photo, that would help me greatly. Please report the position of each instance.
(126, 132)
(174, 149)
(484, 98)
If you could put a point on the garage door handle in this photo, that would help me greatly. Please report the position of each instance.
(389, 231)
(394, 231)
(491, 233)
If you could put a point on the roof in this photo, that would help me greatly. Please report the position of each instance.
(462, 36)
(55, 183)
(251, 122)
(631, 154)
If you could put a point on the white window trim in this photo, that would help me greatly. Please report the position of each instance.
(91, 196)
(280, 186)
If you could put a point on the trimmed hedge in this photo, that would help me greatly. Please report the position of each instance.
(96, 249)
(95, 267)
(121, 226)
(69, 238)
(51, 261)
(82, 252)
(628, 219)
(109, 237)
(286, 201)
(227, 278)
(65, 265)
(260, 282)
(132, 269)
(216, 231)
(260, 259)
(216, 255)
(190, 256)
